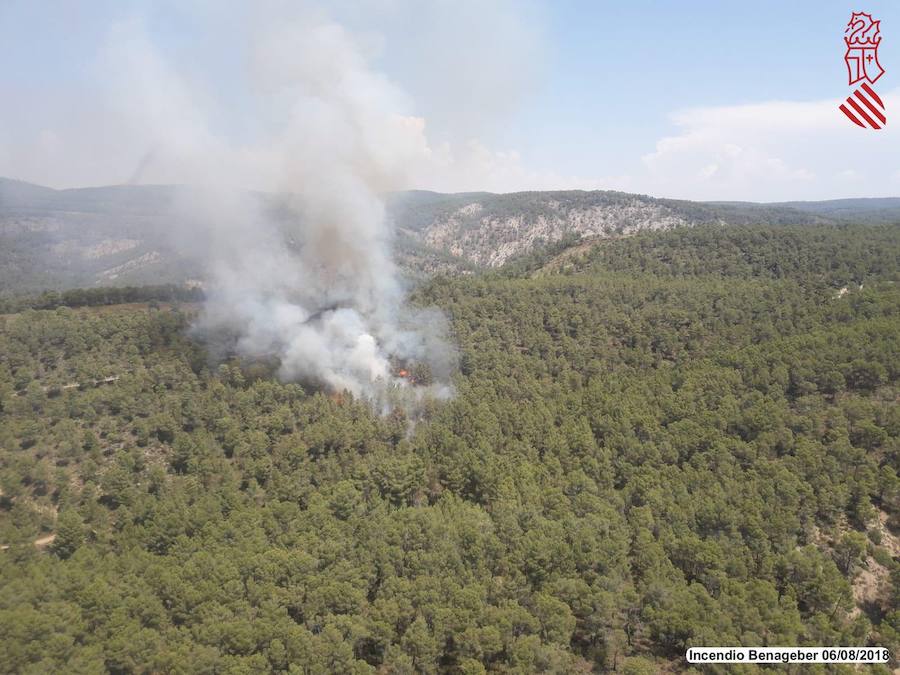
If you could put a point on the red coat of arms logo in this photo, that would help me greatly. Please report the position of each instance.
(863, 37)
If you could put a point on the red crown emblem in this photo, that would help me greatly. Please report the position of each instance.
(862, 37)
(864, 31)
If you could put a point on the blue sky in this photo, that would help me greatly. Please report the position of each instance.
(709, 100)
(620, 68)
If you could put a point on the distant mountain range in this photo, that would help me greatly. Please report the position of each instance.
(123, 234)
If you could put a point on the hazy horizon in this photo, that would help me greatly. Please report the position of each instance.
(461, 192)
(699, 101)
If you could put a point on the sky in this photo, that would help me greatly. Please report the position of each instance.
(690, 99)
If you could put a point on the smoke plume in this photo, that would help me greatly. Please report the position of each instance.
(280, 98)
(308, 277)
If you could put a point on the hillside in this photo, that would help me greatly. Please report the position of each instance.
(872, 210)
(645, 452)
(491, 229)
(121, 235)
(55, 239)
(837, 255)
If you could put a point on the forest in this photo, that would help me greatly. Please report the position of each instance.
(678, 438)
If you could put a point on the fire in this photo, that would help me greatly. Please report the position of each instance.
(402, 373)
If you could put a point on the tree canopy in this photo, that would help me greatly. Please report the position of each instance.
(683, 438)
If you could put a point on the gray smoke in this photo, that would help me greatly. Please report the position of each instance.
(315, 285)
(277, 97)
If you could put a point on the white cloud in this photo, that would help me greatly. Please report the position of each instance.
(769, 151)
(473, 166)
(773, 151)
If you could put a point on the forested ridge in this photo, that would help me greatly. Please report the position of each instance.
(120, 235)
(674, 439)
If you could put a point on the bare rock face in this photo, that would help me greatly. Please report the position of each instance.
(481, 229)
(110, 247)
(490, 237)
(130, 265)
